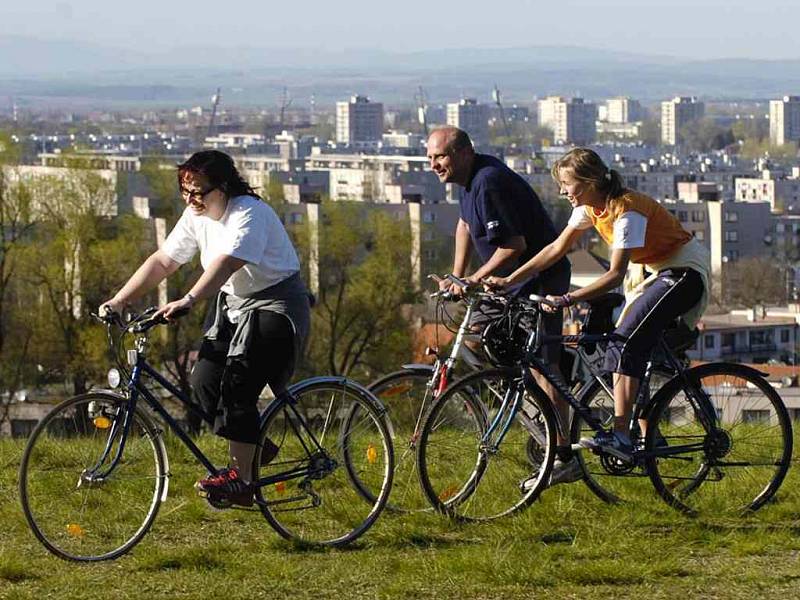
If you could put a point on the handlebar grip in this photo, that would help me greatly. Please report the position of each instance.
(458, 281)
(542, 300)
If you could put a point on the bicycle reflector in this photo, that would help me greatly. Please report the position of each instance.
(133, 356)
(372, 454)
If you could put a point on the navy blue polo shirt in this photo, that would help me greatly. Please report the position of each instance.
(498, 204)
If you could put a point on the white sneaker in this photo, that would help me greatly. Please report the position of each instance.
(563, 472)
(609, 442)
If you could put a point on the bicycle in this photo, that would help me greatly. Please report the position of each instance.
(701, 451)
(95, 470)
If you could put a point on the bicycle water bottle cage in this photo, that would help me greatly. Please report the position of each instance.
(600, 316)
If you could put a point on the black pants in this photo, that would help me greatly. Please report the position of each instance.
(228, 389)
(671, 295)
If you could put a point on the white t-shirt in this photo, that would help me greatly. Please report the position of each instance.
(249, 230)
(629, 228)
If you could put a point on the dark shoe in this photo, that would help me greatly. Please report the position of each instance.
(609, 442)
(227, 485)
(563, 472)
(268, 452)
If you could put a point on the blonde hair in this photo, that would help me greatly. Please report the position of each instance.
(586, 166)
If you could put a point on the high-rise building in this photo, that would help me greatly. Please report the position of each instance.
(571, 119)
(676, 113)
(623, 110)
(784, 120)
(359, 121)
(470, 116)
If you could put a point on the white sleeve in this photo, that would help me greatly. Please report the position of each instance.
(246, 235)
(579, 219)
(181, 244)
(629, 230)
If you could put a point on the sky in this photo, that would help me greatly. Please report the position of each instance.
(698, 29)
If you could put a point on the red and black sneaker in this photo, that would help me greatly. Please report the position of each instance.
(228, 485)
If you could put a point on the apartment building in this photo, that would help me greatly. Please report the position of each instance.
(571, 119)
(675, 114)
(471, 116)
(359, 122)
(784, 120)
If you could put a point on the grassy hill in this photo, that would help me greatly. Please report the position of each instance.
(567, 545)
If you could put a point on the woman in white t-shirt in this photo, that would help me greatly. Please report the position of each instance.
(260, 305)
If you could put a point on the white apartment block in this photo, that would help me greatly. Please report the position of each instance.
(359, 121)
(623, 110)
(782, 193)
(784, 120)
(676, 113)
(469, 115)
(571, 119)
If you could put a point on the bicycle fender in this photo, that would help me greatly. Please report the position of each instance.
(418, 367)
(152, 427)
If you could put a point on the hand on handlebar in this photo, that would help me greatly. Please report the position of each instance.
(492, 283)
(556, 303)
(110, 307)
(174, 310)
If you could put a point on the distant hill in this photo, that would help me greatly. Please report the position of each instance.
(83, 74)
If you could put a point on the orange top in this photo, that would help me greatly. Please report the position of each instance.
(663, 236)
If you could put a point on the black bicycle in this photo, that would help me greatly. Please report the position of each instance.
(717, 437)
(95, 470)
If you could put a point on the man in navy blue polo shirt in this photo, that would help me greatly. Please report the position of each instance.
(503, 219)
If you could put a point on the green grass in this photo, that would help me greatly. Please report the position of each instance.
(567, 545)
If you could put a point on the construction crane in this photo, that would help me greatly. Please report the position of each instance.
(423, 108)
(214, 104)
(496, 98)
(286, 102)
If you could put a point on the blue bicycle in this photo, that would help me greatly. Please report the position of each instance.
(95, 470)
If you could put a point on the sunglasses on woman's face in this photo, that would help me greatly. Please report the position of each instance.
(196, 195)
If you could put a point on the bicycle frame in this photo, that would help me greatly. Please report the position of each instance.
(135, 389)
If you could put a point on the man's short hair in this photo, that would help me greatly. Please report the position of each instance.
(460, 140)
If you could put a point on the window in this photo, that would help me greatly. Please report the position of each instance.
(731, 236)
(784, 336)
(429, 217)
(683, 216)
(709, 342)
(731, 216)
(780, 227)
(732, 254)
(728, 340)
(699, 234)
(762, 337)
(698, 216)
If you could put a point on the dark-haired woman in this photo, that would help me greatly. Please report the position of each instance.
(637, 229)
(261, 306)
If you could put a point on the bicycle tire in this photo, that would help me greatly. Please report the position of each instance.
(406, 395)
(743, 460)
(608, 478)
(323, 505)
(462, 479)
(99, 519)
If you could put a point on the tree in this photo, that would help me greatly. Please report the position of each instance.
(15, 225)
(75, 260)
(752, 281)
(705, 135)
(358, 324)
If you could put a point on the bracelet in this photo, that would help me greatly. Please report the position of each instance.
(567, 300)
(190, 297)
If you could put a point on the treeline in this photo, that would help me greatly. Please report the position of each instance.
(64, 251)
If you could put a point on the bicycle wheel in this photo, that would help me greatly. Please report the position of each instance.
(464, 478)
(406, 395)
(331, 438)
(610, 479)
(734, 466)
(80, 501)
